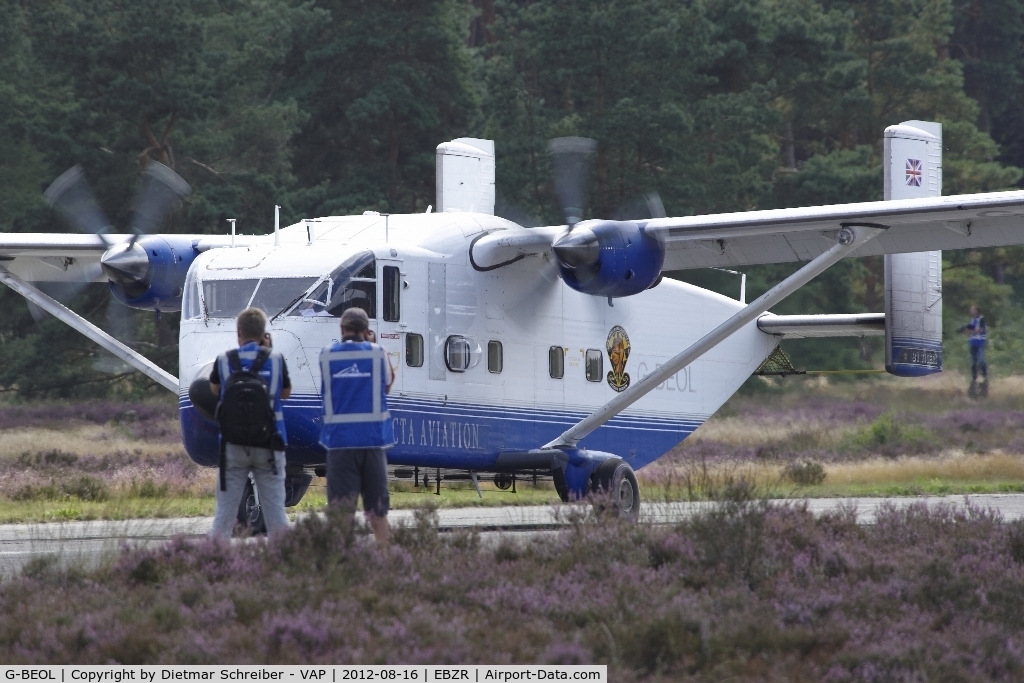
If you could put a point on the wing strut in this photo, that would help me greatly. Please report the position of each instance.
(848, 239)
(66, 315)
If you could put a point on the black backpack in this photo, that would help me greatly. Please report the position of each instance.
(245, 412)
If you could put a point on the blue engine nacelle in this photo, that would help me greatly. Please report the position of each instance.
(149, 273)
(609, 258)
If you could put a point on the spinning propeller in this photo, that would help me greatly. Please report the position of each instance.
(124, 263)
(579, 249)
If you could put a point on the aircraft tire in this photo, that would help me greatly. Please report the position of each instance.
(250, 515)
(616, 479)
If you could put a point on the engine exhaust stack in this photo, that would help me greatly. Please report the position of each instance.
(913, 282)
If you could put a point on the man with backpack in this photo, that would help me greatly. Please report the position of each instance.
(356, 376)
(251, 381)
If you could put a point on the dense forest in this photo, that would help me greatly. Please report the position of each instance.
(330, 107)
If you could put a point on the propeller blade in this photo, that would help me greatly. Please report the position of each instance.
(570, 162)
(641, 208)
(120, 322)
(71, 196)
(161, 189)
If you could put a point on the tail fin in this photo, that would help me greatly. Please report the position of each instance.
(913, 282)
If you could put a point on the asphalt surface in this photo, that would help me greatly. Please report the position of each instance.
(90, 543)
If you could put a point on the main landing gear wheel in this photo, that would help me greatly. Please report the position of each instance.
(615, 479)
(250, 514)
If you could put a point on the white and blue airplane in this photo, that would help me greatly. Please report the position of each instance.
(557, 351)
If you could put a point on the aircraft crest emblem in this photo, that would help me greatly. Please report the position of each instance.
(617, 345)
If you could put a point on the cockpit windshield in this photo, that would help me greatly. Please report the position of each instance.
(228, 298)
(353, 284)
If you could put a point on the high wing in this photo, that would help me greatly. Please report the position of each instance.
(74, 257)
(783, 235)
(57, 257)
(994, 219)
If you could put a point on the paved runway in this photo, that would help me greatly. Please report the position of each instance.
(92, 542)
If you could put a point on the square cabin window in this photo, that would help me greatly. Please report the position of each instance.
(556, 362)
(595, 365)
(494, 356)
(414, 350)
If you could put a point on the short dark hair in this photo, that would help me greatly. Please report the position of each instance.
(252, 323)
(354, 320)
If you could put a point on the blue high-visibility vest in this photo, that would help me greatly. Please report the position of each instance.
(354, 389)
(978, 330)
(271, 374)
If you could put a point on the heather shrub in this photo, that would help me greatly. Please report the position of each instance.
(807, 473)
(50, 458)
(746, 591)
(83, 487)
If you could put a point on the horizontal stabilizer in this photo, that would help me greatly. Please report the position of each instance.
(808, 326)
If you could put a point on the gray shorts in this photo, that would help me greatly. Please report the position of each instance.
(358, 471)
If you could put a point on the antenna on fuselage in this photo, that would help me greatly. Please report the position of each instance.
(277, 225)
(232, 222)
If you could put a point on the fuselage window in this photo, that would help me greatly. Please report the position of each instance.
(392, 294)
(556, 362)
(353, 284)
(413, 350)
(595, 365)
(494, 356)
(275, 293)
(227, 298)
(457, 353)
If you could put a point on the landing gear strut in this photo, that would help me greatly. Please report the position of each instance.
(250, 514)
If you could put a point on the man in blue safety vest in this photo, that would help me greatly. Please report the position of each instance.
(356, 376)
(977, 339)
(267, 463)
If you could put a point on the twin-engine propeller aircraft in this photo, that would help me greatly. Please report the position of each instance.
(558, 351)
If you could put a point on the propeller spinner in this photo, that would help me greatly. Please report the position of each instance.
(125, 263)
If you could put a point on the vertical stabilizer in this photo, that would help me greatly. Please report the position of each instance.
(913, 282)
(465, 175)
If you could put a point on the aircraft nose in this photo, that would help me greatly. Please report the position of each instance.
(125, 263)
(577, 248)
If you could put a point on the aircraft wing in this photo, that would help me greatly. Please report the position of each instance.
(56, 257)
(992, 219)
(75, 257)
(782, 235)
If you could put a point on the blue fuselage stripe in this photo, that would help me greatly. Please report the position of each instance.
(458, 436)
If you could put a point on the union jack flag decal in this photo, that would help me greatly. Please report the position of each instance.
(914, 172)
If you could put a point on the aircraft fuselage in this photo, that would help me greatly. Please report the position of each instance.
(477, 354)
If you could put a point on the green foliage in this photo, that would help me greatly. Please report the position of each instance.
(888, 433)
(330, 107)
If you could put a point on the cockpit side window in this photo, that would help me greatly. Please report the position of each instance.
(352, 285)
(190, 308)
